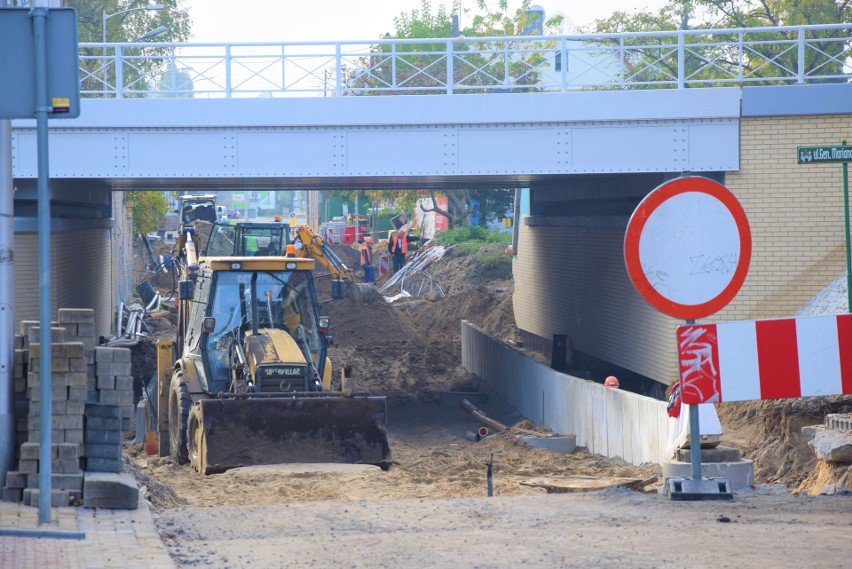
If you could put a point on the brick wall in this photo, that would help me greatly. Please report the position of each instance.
(572, 280)
(795, 213)
(80, 275)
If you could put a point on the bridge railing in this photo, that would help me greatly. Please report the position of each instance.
(645, 60)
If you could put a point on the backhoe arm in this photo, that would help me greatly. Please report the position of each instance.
(315, 248)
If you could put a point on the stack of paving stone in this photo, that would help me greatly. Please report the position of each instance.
(21, 403)
(79, 325)
(68, 396)
(103, 438)
(114, 383)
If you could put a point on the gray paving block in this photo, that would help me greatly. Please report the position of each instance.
(103, 410)
(103, 465)
(103, 451)
(108, 490)
(58, 498)
(12, 494)
(718, 454)
(104, 424)
(16, 479)
(103, 437)
(76, 315)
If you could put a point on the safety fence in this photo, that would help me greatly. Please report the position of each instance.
(559, 63)
(609, 422)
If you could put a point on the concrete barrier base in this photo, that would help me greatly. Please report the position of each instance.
(563, 444)
(703, 489)
(740, 474)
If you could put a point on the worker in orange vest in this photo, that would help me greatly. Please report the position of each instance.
(367, 261)
(398, 247)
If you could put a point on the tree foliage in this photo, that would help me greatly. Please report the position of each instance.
(716, 59)
(148, 209)
(476, 66)
(137, 74)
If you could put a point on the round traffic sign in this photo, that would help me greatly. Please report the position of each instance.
(687, 247)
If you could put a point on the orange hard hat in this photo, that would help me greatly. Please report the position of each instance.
(611, 381)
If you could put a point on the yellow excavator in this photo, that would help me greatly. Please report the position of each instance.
(247, 380)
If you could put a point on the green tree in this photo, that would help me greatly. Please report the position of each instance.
(477, 66)
(716, 59)
(138, 75)
(148, 209)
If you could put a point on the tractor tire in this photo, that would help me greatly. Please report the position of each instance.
(197, 441)
(179, 404)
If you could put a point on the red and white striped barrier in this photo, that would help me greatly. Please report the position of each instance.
(765, 359)
(384, 264)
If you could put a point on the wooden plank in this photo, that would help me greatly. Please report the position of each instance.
(165, 361)
(567, 484)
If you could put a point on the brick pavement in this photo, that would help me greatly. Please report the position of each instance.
(114, 539)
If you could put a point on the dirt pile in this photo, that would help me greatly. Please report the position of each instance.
(410, 350)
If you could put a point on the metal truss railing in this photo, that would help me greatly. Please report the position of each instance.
(648, 60)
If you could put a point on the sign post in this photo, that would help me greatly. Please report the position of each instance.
(687, 250)
(39, 56)
(842, 153)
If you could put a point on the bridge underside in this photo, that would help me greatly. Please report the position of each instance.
(27, 186)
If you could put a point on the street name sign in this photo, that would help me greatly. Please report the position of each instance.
(821, 154)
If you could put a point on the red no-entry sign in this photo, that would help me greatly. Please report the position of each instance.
(687, 247)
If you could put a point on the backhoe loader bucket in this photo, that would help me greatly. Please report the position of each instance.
(232, 431)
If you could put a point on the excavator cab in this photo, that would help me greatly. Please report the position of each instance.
(249, 239)
(268, 303)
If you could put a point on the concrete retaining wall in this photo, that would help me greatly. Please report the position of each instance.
(606, 421)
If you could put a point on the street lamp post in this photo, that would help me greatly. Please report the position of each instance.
(108, 16)
(161, 29)
(152, 33)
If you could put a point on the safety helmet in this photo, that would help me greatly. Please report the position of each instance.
(611, 381)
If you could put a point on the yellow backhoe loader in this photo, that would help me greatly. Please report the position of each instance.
(248, 380)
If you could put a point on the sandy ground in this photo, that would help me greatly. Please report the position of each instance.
(621, 529)
(430, 508)
(432, 459)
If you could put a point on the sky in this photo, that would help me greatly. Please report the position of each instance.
(329, 20)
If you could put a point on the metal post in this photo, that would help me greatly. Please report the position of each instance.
(450, 72)
(228, 71)
(39, 16)
(338, 71)
(694, 436)
(681, 58)
(7, 298)
(119, 72)
(848, 247)
(800, 70)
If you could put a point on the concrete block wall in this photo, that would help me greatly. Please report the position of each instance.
(609, 422)
(81, 276)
